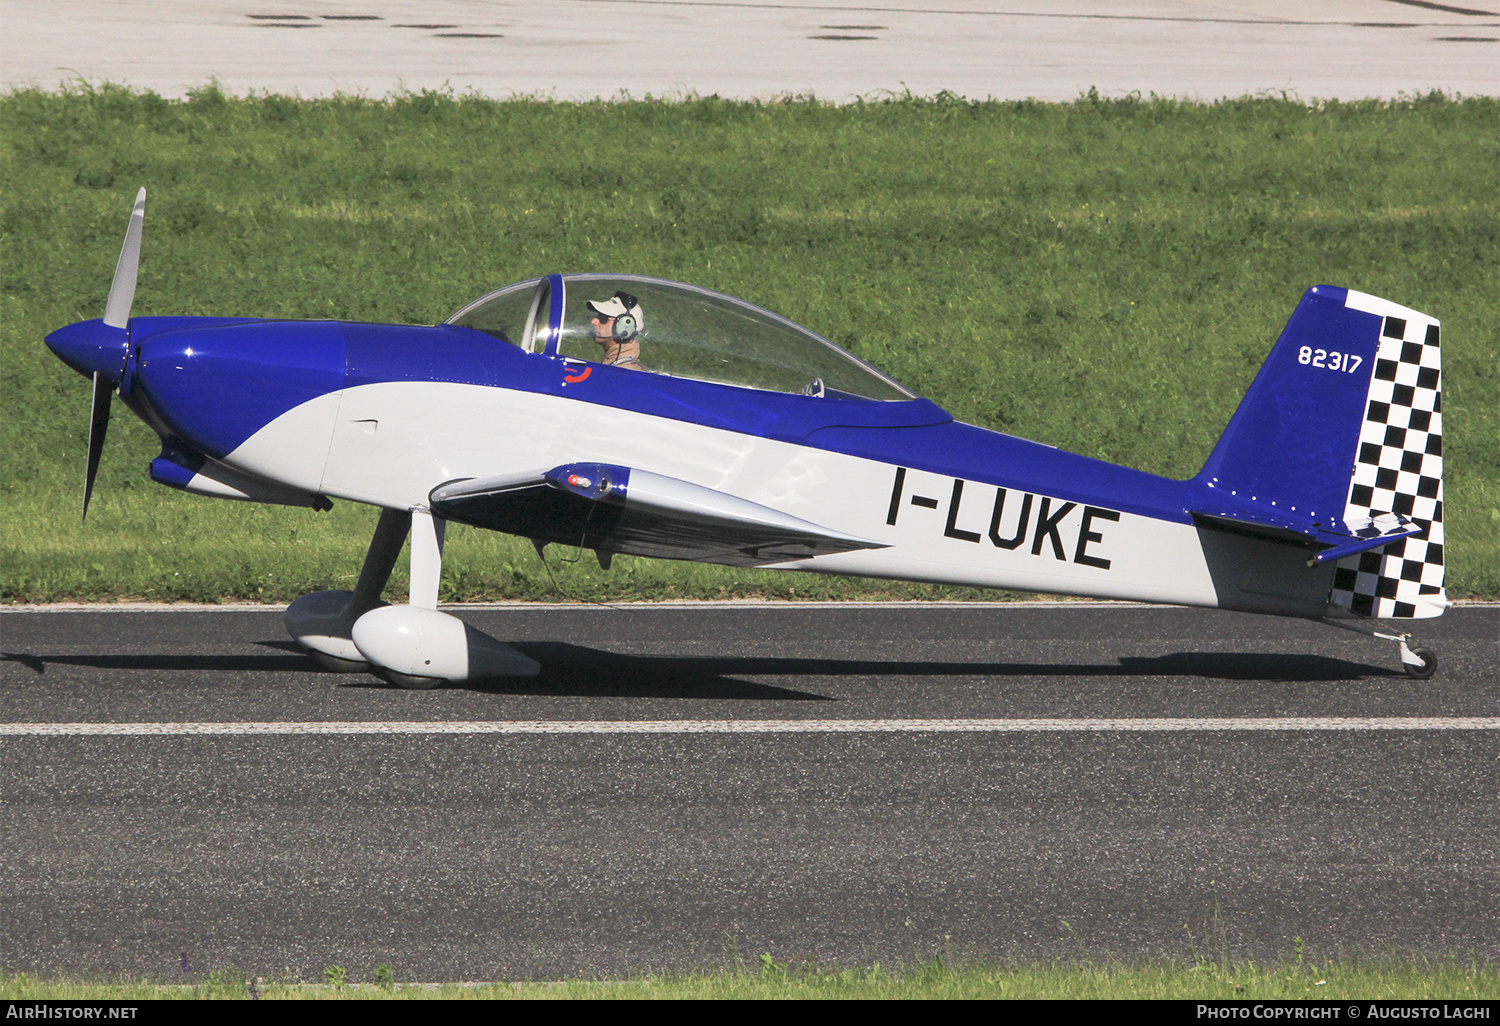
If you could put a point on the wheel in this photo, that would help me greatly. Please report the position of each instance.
(333, 664)
(1424, 669)
(407, 681)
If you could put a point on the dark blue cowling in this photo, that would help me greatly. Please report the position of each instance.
(217, 384)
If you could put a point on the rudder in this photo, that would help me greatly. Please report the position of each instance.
(1398, 469)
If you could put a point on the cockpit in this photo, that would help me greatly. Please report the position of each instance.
(670, 328)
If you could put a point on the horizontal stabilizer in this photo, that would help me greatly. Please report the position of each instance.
(1354, 548)
(1375, 533)
(619, 509)
(1280, 529)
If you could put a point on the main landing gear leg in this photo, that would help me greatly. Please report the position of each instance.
(323, 621)
(427, 537)
(415, 646)
(1419, 663)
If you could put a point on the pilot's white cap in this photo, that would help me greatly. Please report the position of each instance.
(615, 306)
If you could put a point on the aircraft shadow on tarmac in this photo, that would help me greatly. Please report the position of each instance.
(576, 670)
(162, 661)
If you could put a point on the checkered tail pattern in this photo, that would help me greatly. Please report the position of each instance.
(1398, 469)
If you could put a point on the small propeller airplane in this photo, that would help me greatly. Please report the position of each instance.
(627, 414)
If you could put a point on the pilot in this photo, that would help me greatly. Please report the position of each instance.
(618, 323)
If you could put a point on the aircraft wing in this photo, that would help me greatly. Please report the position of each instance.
(620, 509)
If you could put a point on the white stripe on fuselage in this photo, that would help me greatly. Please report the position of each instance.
(393, 442)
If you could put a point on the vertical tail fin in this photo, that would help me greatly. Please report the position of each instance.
(1341, 428)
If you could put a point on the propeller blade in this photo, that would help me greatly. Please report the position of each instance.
(122, 291)
(98, 425)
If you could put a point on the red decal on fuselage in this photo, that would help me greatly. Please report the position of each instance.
(575, 378)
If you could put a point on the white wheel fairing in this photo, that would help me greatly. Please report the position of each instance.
(393, 442)
(425, 643)
(321, 622)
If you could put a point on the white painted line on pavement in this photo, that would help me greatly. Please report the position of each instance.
(716, 605)
(1289, 723)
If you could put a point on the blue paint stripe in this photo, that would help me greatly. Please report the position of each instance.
(930, 441)
(245, 373)
(382, 353)
(987, 457)
(1291, 437)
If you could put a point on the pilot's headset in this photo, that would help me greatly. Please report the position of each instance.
(628, 324)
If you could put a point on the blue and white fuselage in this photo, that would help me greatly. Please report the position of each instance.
(740, 438)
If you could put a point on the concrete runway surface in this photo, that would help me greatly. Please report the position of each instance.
(1254, 780)
(579, 49)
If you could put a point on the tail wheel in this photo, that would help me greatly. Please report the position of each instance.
(1424, 669)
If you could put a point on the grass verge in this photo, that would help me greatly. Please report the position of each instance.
(1404, 979)
(1103, 275)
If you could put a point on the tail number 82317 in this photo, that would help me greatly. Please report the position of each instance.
(1328, 360)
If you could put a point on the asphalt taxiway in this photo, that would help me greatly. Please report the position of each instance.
(673, 792)
(1213, 784)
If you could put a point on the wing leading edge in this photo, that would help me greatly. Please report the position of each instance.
(620, 509)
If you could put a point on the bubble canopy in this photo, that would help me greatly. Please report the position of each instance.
(684, 331)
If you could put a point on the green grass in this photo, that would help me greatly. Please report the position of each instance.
(1245, 981)
(1105, 276)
